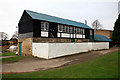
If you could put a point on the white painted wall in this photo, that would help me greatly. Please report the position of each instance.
(40, 50)
(83, 36)
(65, 35)
(78, 35)
(62, 49)
(73, 35)
(44, 34)
(90, 46)
(100, 45)
(58, 34)
(52, 50)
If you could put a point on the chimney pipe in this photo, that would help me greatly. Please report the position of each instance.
(86, 22)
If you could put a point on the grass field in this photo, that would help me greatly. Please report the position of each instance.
(13, 59)
(103, 67)
(8, 54)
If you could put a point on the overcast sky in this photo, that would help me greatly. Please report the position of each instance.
(106, 11)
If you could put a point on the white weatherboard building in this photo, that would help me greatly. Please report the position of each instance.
(48, 36)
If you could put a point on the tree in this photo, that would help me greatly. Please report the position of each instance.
(4, 36)
(15, 35)
(116, 32)
(96, 25)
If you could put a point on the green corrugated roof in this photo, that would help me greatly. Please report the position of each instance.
(98, 37)
(49, 18)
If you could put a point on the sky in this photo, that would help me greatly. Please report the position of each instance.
(106, 11)
(119, 7)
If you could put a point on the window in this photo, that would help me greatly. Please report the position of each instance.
(74, 30)
(78, 30)
(64, 29)
(44, 26)
(83, 31)
(71, 29)
(67, 29)
(90, 32)
(60, 28)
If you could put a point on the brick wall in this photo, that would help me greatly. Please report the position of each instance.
(57, 40)
(26, 46)
(107, 33)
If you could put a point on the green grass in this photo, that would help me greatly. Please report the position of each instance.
(13, 59)
(8, 54)
(103, 67)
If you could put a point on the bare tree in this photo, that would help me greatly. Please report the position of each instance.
(96, 25)
(15, 35)
(4, 36)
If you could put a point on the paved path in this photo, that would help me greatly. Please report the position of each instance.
(35, 64)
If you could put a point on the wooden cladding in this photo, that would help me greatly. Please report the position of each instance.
(29, 27)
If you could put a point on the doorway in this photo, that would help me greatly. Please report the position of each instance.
(20, 48)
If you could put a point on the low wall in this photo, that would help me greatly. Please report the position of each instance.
(52, 50)
(40, 50)
(100, 45)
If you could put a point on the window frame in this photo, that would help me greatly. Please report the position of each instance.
(44, 26)
(91, 32)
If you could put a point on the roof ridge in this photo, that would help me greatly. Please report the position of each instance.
(54, 16)
(56, 19)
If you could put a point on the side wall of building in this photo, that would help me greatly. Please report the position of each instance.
(106, 33)
(26, 46)
(25, 24)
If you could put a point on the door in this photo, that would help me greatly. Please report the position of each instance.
(91, 39)
(20, 48)
(72, 40)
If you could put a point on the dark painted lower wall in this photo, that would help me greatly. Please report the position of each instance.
(26, 35)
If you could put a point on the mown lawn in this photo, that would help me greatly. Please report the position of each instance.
(103, 67)
(13, 59)
(8, 54)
